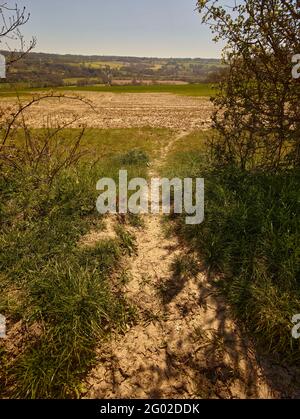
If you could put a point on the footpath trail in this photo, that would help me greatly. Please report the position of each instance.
(185, 344)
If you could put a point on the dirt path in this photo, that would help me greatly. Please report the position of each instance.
(185, 344)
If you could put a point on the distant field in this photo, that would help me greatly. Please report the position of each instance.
(200, 89)
(111, 64)
(99, 64)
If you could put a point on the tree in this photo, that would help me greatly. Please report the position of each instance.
(106, 75)
(12, 19)
(45, 155)
(257, 114)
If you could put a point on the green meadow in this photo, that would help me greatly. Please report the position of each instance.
(200, 89)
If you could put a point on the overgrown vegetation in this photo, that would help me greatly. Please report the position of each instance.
(250, 242)
(58, 295)
(257, 109)
(250, 238)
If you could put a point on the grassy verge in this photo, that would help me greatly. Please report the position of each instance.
(250, 241)
(58, 296)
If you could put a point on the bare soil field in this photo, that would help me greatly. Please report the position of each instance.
(162, 110)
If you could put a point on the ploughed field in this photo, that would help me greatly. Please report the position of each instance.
(110, 110)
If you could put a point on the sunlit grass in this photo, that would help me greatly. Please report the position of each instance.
(200, 89)
(59, 291)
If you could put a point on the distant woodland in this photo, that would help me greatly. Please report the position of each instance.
(44, 70)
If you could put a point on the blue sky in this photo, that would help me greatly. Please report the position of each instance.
(160, 28)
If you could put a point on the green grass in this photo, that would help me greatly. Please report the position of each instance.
(57, 289)
(58, 292)
(99, 64)
(201, 89)
(249, 242)
(114, 142)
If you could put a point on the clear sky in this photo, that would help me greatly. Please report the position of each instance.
(155, 28)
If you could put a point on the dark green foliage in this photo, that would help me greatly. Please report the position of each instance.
(250, 238)
(257, 107)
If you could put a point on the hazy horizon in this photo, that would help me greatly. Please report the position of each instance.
(121, 28)
(120, 56)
